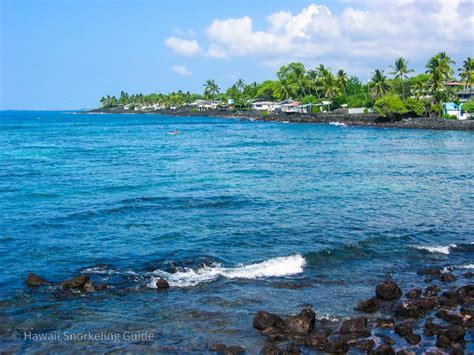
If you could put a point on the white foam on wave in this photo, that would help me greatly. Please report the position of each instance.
(276, 267)
(338, 124)
(437, 249)
(103, 270)
(467, 266)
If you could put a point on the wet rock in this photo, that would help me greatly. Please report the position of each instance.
(271, 349)
(317, 340)
(442, 341)
(414, 293)
(264, 320)
(356, 326)
(337, 345)
(388, 290)
(227, 350)
(431, 291)
(448, 302)
(274, 334)
(413, 338)
(385, 323)
(386, 339)
(76, 283)
(369, 306)
(466, 301)
(415, 308)
(162, 284)
(447, 277)
(431, 328)
(452, 293)
(455, 333)
(35, 280)
(468, 275)
(405, 352)
(383, 349)
(363, 344)
(449, 317)
(403, 329)
(301, 324)
(292, 349)
(430, 272)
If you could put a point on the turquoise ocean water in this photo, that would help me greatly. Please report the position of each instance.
(238, 216)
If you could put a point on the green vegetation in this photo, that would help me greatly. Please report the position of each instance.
(468, 106)
(392, 95)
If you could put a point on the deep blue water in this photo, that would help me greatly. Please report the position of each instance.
(251, 215)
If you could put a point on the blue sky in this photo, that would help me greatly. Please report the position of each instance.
(67, 54)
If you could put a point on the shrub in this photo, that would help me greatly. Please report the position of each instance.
(416, 106)
(449, 117)
(366, 110)
(390, 106)
(311, 99)
(468, 106)
(316, 109)
(265, 112)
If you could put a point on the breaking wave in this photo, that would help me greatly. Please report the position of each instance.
(276, 267)
(438, 249)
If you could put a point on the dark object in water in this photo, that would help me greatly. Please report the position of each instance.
(388, 290)
(35, 280)
(162, 284)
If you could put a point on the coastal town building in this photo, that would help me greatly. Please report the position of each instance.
(453, 109)
(205, 105)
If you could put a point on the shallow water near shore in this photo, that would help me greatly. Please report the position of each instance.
(238, 216)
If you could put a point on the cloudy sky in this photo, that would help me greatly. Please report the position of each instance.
(66, 54)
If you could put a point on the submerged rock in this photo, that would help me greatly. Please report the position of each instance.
(403, 329)
(356, 326)
(227, 350)
(363, 344)
(369, 306)
(430, 272)
(35, 280)
(414, 293)
(388, 290)
(301, 324)
(162, 284)
(383, 349)
(431, 291)
(413, 338)
(264, 320)
(447, 277)
(77, 283)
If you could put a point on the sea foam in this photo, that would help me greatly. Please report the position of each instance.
(276, 267)
(437, 249)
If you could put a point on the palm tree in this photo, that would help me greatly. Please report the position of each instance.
(400, 70)
(379, 83)
(283, 89)
(211, 89)
(330, 84)
(466, 73)
(240, 85)
(342, 80)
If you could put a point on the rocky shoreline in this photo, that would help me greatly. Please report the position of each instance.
(369, 119)
(437, 317)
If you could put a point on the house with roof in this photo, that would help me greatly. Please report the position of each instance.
(289, 106)
(265, 106)
(453, 109)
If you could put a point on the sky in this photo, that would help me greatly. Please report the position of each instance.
(66, 54)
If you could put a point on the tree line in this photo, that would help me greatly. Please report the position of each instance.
(422, 94)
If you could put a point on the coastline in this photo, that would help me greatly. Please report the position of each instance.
(367, 120)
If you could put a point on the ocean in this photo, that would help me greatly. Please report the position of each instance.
(238, 216)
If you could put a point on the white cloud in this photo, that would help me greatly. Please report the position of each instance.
(183, 46)
(377, 29)
(181, 70)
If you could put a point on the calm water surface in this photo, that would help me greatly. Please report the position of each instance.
(239, 216)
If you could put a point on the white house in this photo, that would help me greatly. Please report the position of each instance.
(289, 106)
(452, 109)
(265, 106)
(204, 105)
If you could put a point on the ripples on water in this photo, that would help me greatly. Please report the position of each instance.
(238, 216)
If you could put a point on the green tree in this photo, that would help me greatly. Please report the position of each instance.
(400, 71)
(211, 89)
(466, 73)
(342, 80)
(378, 84)
(390, 106)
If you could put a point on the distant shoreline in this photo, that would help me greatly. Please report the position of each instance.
(364, 119)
